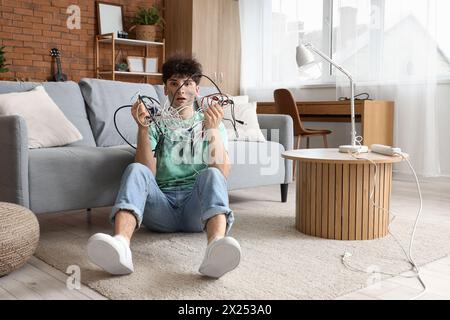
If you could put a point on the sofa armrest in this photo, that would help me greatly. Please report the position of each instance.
(14, 160)
(279, 128)
(269, 123)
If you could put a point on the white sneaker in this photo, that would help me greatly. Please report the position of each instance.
(112, 254)
(222, 255)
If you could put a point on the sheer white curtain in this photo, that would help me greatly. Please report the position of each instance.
(256, 31)
(390, 48)
(270, 34)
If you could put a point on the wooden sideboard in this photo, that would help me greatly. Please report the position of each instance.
(376, 116)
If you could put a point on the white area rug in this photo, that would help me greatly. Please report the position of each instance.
(277, 262)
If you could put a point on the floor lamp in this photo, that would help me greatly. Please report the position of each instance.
(304, 57)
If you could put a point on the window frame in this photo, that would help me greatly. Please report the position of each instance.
(327, 27)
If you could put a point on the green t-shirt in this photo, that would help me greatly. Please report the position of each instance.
(178, 159)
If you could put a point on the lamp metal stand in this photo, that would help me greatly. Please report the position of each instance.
(353, 147)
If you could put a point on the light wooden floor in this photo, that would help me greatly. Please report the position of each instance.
(37, 280)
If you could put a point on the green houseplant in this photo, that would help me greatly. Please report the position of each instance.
(2, 61)
(145, 21)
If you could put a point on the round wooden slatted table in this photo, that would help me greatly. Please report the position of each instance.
(333, 193)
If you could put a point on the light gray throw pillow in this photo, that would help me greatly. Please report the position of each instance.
(103, 98)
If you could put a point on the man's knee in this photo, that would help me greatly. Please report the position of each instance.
(138, 168)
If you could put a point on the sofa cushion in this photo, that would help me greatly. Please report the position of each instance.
(159, 89)
(250, 130)
(75, 177)
(255, 164)
(46, 123)
(67, 97)
(103, 98)
(240, 99)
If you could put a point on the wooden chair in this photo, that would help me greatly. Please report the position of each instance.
(285, 104)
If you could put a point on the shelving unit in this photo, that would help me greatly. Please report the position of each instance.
(114, 43)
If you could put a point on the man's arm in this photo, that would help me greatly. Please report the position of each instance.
(218, 156)
(144, 153)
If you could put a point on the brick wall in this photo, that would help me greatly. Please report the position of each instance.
(29, 29)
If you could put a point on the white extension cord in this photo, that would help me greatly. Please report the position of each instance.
(390, 151)
(386, 150)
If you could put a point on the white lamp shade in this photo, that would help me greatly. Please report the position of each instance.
(304, 56)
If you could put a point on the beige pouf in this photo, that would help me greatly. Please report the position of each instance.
(19, 236)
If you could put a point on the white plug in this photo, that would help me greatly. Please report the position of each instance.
(386, 150)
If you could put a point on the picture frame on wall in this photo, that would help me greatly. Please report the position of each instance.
(151, 65)
(109, 18)
(136, 64)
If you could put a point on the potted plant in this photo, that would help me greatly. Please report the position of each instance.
(2, 61)
(144, 23)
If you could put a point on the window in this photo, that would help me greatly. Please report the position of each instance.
(318, 22)
(351, 26)
(272, 29)
(295, 22)
(443, 38)
(379, 28)
(425, 19)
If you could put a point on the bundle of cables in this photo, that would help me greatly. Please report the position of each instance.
(167, 118)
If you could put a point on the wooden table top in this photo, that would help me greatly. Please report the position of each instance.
(334, 156)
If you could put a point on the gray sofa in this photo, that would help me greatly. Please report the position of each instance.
(87, 174)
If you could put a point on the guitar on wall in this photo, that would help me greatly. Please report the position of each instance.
(58, 76)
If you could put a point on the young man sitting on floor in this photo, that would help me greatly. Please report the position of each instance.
(167, 194)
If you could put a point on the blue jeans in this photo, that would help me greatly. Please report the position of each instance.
(179, 210)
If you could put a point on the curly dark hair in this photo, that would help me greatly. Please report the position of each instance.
(181, 65)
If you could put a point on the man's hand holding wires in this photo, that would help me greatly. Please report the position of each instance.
(140, 114)
(213, 116)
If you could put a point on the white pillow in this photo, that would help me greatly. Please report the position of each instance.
(239, 99)
(249, 131)
(47, 125)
